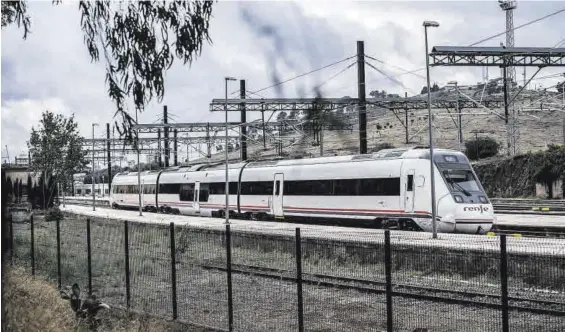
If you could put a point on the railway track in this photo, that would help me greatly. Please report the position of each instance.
(546, 307)
(526, 205)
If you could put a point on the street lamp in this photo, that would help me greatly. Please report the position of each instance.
(459, 122)
(138, 166)
(434, 24)
(93, 196)
(226, 149)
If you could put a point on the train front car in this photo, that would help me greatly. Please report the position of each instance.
(462, 205)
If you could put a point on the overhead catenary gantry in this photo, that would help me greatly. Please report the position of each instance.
(497, 56)
(503, 57)
(308, 104)
(101, 142)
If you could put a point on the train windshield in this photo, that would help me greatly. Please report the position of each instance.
(461, 180)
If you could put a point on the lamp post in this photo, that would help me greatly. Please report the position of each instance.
(138, 166)
(226, 150)
(459, 122)
(93, 195)
(434, 24)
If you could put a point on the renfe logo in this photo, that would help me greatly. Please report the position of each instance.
(479, 208)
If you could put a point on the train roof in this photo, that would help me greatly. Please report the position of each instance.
(385, 154)
(417, 152)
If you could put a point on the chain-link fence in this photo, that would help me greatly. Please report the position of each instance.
(236, 279)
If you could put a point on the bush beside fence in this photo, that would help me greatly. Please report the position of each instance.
(234, 280)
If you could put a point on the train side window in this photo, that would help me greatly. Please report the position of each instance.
(410, 185)
(187, 192)
(277, 187)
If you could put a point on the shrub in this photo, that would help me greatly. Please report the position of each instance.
(482, 147)
(54, 214)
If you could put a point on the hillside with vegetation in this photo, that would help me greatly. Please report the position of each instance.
(540, 123)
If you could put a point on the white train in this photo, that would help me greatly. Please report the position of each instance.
(390, 187)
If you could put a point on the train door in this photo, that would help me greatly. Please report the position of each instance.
(278, 195)
(196, 205)
(409, 192)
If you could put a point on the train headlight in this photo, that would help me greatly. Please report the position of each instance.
(483, 199)
(458, 198)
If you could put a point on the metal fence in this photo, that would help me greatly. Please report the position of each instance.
(232, 279)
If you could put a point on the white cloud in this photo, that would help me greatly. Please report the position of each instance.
(52, 68)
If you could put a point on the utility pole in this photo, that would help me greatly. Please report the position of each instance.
(563, 103)
(460, 126)
(109, 157)
(187, 150)
(508, 6)
(279, 143)
(508, 134)
(406, 118)
(322, 135)
(159, 147)
(263, 122)
(243, 129)
(93, 184)
(176, 147)
(362, 97)
(208, 143)
(166, 134)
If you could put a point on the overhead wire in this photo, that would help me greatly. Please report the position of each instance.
(334, 76)
(518, 27)
(301, 75)
(389, 77)
(559, 43)
(413, 72)
(494, 36)
(254, 93)
(547, 76)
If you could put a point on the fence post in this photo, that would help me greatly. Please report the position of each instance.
(228, 263)
(504, 283)
(58, 225)
(32, 247)
(11, 240)
(89, 253)
(299, 281)
(126, 251)
(388, 276)
(173, 269)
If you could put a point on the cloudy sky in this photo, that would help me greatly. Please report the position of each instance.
(257, 41)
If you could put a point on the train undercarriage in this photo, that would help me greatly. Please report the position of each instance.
(377, 223)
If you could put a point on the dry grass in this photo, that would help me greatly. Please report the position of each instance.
(33, 304)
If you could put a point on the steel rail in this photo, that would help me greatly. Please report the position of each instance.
(341, 282)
